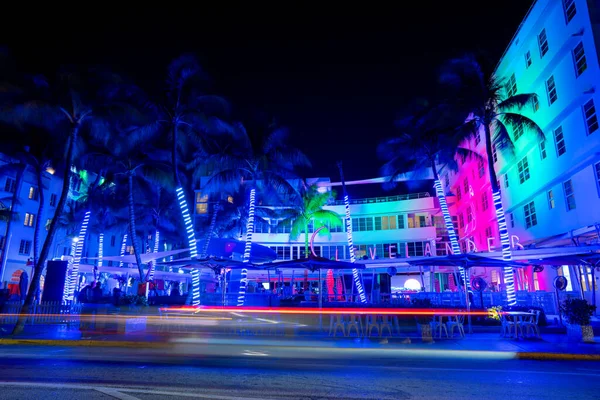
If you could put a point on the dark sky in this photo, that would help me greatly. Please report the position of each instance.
(336, 75)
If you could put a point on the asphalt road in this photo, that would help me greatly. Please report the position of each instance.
(30, 372)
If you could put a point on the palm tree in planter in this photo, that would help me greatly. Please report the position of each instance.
(308, 212)
(63, 107)
(425, 145)
(491, 105)
(257, 163)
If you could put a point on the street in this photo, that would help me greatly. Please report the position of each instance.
(109, 373)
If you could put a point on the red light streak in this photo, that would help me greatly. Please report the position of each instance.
(326, 311)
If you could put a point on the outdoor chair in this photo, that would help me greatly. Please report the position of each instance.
(337, 321)
(385, 322)
(437, 327)
(507, 326)
(456, 322)
(354, 321)
(531, 324)
(370, 323)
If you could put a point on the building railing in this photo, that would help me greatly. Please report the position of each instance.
(386, 199)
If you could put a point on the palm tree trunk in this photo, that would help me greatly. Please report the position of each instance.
(39, 266)
(211, 231)
(355, 274)
(13, 206)
(132, 232)
(248, 248)
(79, 246)
(38, 218)
(100, 254)
(306, 246)
(441, 195)
(509, 276)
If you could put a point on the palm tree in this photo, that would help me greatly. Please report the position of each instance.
(9, 214)
(426, 144)
(63, 107)
(256, 163)
(131, 158)
(309, 211)
(490, 106)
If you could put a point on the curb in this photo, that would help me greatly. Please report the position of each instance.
(557, 356)
(82, 343)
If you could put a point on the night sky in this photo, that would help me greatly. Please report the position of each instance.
(335, 75)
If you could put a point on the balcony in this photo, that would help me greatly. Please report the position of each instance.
(386, 199)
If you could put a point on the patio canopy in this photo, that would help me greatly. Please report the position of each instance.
(468, 260)
(582, 258)
(312, 263)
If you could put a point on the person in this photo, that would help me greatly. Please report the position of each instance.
(85, 295)
(97, 292)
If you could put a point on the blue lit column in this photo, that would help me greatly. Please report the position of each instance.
(439, 191)
(191, 238)
(509, 277)
(248, 248)
(68, 294)
(153, 262)
(123, 247)
(355, 275)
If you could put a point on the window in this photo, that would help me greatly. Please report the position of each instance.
(569, 195)
(488, 232)
(494, 153)
(2, 242)
(458, 193)
(559, 140)
(53, 200)
(48, 222)
(481, 168)
(523, 167)
(543, 154)
(201, 203)
(511, 86)
(518, 131)
(33, 193)
(569, 9)
(550, 196)
(512, 220)
(385, 223)
(461, 221)
(551, 90)
(527, 59)
(506, 183)
(359, 224)
(422, 221)
(129, 250)
(25, 247)
(535, 102)
(530, 217)
(10, 186)
(466, 186)
(543, 43)
(579, 59)
(400, 221)
(484, 202)
(591, 120)
(469, 215)
(112, 240)
(477, 138)
(29, 219)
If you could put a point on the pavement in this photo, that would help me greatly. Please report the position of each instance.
(260, 373)
(551, 346)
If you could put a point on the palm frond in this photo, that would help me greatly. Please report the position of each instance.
(514, 120)
(518, 102)
(501, 138)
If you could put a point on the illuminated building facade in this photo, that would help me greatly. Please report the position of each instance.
(550, 189)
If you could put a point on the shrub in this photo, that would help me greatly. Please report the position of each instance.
(577, 311)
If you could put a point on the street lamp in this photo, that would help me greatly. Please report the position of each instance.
(73, 241)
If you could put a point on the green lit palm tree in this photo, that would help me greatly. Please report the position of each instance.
(309, 211)
(489, 106)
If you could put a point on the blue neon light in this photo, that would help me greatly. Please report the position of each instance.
(355, 274)
(248, 248)
(70, 288)
(123, 247)
(191, 238)
(509, 277)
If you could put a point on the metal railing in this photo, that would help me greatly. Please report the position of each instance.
(386, 199)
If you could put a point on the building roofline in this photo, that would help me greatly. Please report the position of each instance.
(515, 35)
